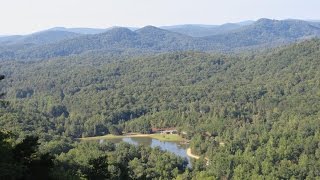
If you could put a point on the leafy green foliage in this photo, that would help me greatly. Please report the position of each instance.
(23, 160)
(122, 162)
(253, 115)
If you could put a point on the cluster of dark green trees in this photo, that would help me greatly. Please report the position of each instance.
(64, 159)
(253, 115)
(22, 160)
(124, 161)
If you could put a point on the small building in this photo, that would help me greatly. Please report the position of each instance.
(164, 130)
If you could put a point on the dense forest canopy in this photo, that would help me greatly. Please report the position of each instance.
(246, 97)
(264, 107)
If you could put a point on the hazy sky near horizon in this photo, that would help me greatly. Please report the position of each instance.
(26, 16)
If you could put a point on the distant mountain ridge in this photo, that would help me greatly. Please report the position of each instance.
(79, 30)
(263, 33)
(147, 39)
(39, 38)
(199, 30)
(267, 32)
(51, 35)
(86, 30)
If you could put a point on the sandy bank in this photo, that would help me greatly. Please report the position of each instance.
(189, 153)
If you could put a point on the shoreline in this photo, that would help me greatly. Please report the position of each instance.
(189, 153)
(161, 137)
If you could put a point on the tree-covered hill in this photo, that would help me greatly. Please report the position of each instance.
(80, 30)
(196, 30)
(203, 30)
(264, 33)
(109, 90)
(39, 38)
(146, 40)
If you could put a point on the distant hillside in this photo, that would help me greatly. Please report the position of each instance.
(202, 30)
(315, 23)
(266, 32)
(147, 39)
(87, 30)
(4, 40)
(79, 30)
(39, 38)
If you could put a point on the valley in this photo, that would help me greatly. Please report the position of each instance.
(244, 96)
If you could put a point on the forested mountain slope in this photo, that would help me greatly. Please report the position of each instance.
(39, 38)
(124, 88)
(264, 107)
(202, 30)
(148, 39)
(195, 30)
(267, 32)
(264, 33)
(80, 30)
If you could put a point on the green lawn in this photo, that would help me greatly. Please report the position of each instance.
(167, 137)
(109, 136)
(161, 137)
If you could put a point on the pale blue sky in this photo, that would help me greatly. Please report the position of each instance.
(26, 16)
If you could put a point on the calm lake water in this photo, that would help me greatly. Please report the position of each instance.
(173, 147)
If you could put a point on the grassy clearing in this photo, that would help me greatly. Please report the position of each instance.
(109, 136)
(161, 137)
(167, 137)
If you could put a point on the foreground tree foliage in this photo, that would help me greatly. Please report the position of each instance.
(252, 115)
(107, 161)
(23, 161)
